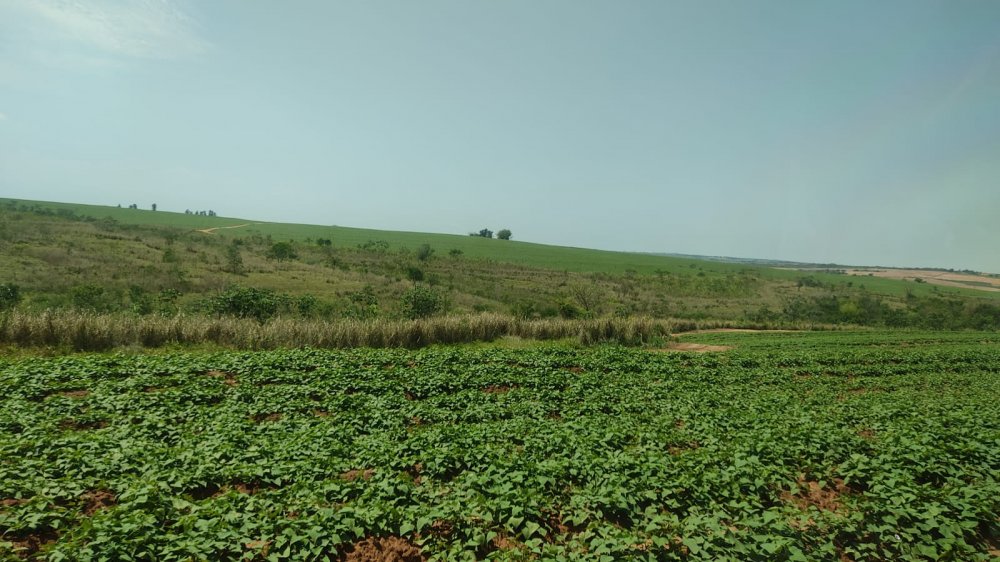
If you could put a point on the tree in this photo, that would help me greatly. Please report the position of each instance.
(249, 302)
(504, 234)
(485, 233)
(364, 304)
(281, 251)
(234, 261)
(89, 297)
(154, 206)
(421, 302)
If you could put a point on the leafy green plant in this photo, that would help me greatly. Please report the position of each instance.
(421, 302)
(248, 302)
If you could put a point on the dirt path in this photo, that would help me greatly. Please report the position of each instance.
(733, 330)
(693, 347)
(212, 230)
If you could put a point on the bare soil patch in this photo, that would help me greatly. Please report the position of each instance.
(78, 393)
(383, 549)
(213, 229)
(694, 347)
(683, 448)
(352, 475)
(499, 388)
(503, 542)
(811, 493)
(228, 378)
(26, 544)
(97, 500)
(867, 433)
(733, 330)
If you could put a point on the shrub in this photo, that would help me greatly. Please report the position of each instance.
(503, 234)
(364, 304)
(10, 295)
(424, 252)
(234, 261)
(89, 297)
(281, 251)
(248, 302)
(414, 273)
(421, 302)
(142, 302)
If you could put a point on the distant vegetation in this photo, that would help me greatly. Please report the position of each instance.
(56, 258)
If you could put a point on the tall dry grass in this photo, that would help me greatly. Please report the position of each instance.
(84, 331)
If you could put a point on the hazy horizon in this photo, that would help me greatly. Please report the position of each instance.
(849, 132)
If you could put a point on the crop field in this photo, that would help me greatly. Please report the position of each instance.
(789, 446)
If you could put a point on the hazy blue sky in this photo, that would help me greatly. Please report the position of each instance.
(856, 132)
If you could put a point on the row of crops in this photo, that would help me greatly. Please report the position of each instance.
(838, 446)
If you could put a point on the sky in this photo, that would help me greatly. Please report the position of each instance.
(853, 132)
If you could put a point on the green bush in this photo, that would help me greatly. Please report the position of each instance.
(281, 251)
(89, 297)
(10, 295)
(249, 302)
(421, 302)
(424, 252)
(364, 304)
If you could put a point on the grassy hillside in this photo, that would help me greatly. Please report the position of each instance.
(559, 258)
(108, 259)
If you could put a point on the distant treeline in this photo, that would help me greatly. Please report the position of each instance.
(934, 313)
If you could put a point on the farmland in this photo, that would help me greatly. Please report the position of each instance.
(790, 446)
(75, 261)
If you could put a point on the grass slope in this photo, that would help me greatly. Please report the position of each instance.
(558, 258)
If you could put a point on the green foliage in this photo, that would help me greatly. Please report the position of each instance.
(484, 233)
(503, 234)
(421, 302)
(89, 297)
(379, 246)
(282, 251)
(570, 310)
(249, 302)
(167, 301)
(306, 305)
(414, 273)
(363, 304)
(234, 259)
(141, 301)
(424, 252)
(861, 446)
(170, 255)
(10, 295)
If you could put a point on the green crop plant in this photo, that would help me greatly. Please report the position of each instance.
(790, 446)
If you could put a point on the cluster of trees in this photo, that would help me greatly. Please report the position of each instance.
(134, 206)
(502, 234)
(208, 213)
(934, 313)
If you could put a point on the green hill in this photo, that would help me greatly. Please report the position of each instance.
(114, 259)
